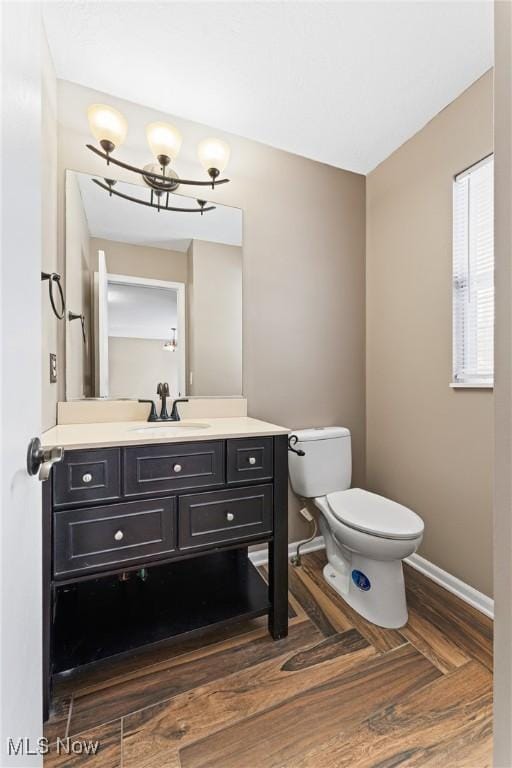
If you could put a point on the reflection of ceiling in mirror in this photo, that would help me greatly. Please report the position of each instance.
(113, 218)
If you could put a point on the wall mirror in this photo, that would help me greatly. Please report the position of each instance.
(151, 296)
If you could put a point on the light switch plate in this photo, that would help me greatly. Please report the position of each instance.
(53, 368)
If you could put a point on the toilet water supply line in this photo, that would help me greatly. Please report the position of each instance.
(306, 514)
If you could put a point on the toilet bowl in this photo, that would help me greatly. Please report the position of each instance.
(366, 535)
(365, 566)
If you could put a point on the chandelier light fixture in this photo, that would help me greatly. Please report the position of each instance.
(109, 128)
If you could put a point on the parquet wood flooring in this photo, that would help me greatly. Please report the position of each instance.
(338, 692)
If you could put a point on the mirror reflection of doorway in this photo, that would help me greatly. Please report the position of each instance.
(137, 318)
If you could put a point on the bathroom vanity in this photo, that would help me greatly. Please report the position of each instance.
(146, 536)
(147, 527)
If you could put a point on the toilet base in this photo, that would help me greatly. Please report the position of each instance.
(373, 588)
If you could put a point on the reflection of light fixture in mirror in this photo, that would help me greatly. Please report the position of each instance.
(171, 345)
(109, 127)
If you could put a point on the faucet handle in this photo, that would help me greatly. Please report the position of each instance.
(175, 416)
(152, 413)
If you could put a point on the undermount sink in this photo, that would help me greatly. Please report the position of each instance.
(169, 430)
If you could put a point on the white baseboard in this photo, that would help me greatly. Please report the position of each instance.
(260, 556)
(468, 594)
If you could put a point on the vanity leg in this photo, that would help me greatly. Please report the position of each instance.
(47, 595)
(278, 548)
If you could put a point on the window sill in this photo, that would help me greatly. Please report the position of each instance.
(464, 385)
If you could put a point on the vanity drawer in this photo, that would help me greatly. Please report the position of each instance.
(84, 476)
(219, 517)
(174, 467)
(113, 535)
(250, 459)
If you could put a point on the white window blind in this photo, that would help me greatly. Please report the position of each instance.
(473, 275)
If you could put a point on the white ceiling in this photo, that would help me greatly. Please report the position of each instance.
(113, 218)
(345, 83)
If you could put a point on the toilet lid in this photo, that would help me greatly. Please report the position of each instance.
(375, 514)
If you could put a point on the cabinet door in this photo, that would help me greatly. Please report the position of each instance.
(221, 517)
(173, 467)
(113, 535)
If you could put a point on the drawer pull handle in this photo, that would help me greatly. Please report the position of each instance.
(252, 460)
(118, 535)
(87, 477)
(230, 517)
(177, 467)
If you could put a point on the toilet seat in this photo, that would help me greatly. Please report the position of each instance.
(375, 515)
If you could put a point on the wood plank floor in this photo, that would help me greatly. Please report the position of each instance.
(337, 692)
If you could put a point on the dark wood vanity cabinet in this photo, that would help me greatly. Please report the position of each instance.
(143, 544)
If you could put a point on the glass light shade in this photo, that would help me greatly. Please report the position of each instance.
(213, 153)
(163, 139)
(107, 124)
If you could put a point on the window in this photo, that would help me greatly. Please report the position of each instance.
(473, 276)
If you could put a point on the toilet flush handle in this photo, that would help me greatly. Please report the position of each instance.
(292, 442)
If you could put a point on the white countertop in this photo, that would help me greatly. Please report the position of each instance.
(97, 435)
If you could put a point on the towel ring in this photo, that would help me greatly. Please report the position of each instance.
(54, 277)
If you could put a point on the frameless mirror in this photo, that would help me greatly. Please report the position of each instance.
(152, 296)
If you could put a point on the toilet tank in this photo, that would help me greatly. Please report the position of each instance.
(326, 465)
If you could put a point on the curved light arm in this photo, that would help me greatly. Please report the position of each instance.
(157, 176)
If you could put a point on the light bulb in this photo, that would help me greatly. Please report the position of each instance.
(107, 125)
(164, 141)
(213, 155)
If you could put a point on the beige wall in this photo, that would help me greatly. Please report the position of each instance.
(140, 260)
(503, 389)
(49, 262)
(304, 298)
(79, 380)
(428, 446)
(140, 364)
(304, 235)
(215, 319)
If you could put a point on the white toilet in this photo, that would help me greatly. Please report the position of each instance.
(366, 536)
